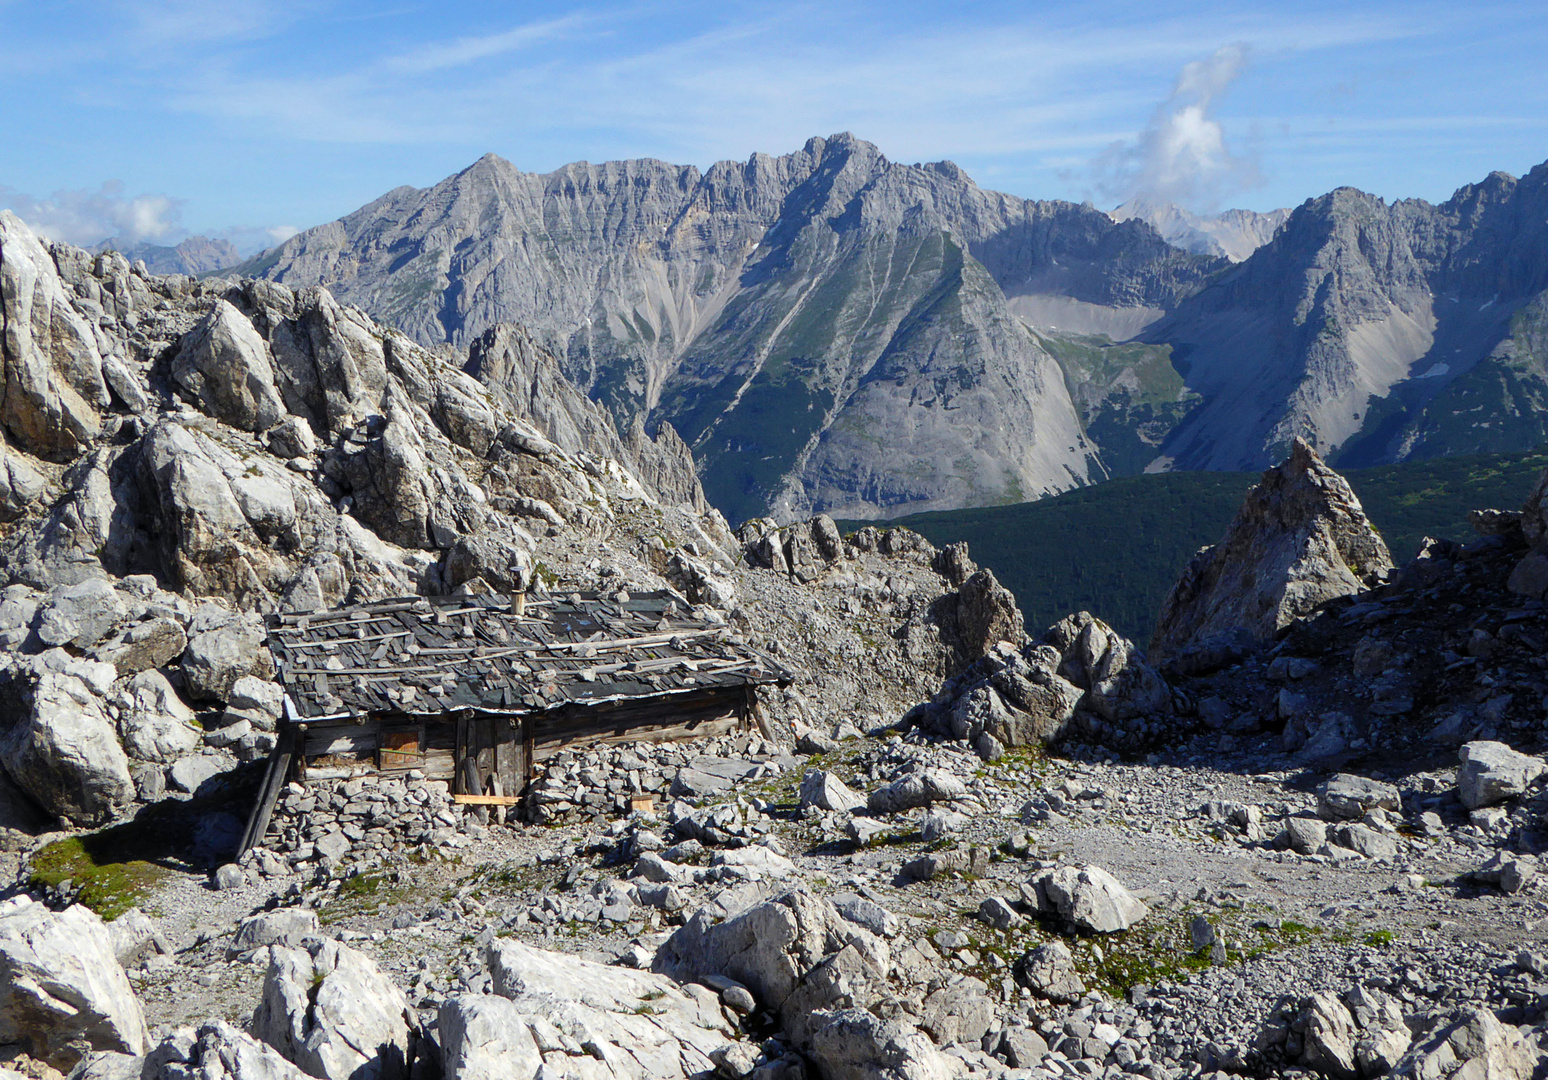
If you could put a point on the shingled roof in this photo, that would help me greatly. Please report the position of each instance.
(426, 655)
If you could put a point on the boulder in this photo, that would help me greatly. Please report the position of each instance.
(1049, 972)
(798, 957)
(151, 643)
(983, 614)
(636, 1022)
(1306, 835)
(915, 789)
(1492, 772)
(80, 615)
(1089, 898)
(135, 937)
(1346, 797)
(484, 1037)
(21, 484)
(856, 1045)
(1508, 872)
(1470, 1042)
(224, 364)
(1299, 540)
(1040, 703)
(223, 646)
(49, 361)
(153, 722)
(826, 538)
(1329, 1041)
(64, 753)
(62, 990)
(825, 791)
(1119, 684)
(215, 1051)
(286, 926)
(332, 1011)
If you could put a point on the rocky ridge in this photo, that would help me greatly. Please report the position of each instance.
(828, 330)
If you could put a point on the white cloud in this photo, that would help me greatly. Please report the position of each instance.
(468, 50)
(1183, 155)
(89, 217)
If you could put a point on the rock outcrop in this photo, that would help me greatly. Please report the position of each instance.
(1081, 679)
(817, 973)
(1299, 540)
(548, 1008)
(332, 1011)
(62, 991)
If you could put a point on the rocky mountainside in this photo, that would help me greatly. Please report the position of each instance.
(784, 314)
(1233, 234)
(827, 330)
(1380, 331)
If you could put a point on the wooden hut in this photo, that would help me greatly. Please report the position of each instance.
(478, 690)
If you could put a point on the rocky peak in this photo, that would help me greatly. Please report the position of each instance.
(1299, 540)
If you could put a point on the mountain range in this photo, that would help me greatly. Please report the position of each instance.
(194, 256)
(832, 331)
(1234, 234)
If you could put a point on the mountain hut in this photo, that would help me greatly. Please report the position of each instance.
(479, 690)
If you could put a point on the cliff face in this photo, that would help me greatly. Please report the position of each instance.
(827, 329)
(1376, 331)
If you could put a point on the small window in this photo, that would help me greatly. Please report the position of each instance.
(402, 749)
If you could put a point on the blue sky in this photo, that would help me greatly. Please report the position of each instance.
(251, 117)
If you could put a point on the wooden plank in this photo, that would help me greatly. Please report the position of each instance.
(487, 800)
(274, 781)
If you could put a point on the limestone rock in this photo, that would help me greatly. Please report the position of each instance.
(1306, 835)
(822, 789)
(52, 370)
(1049, 972)
(224, 364)
(856, 1045)
(285, 926)
(216, 1051)
(1346, 797)
(1492, 772)
(80, 615)
(982, 613)
(151, 643)
(1299, 540)
(797, 955)
(1330, 1037)
(1090, 898)
(153, 722)
(1473, 1042)
(1120, 685)
(636, 1022)
(135, 937)
(914, 790)
(223, 647)
(484, 1037)
(332, 1011)
(62, 990)
(64, 753)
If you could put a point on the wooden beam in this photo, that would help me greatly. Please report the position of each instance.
(487, 800)
(274, 781)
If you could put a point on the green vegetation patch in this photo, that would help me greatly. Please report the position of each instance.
(105, 885)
